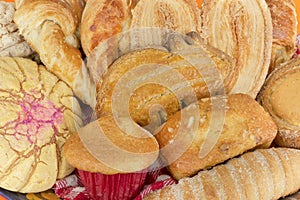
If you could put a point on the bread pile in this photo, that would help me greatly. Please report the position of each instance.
(208, 89)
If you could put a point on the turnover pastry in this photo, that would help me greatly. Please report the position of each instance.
(50, 28)
(162, 81)
(38, 112)
(263, 174)
(280, 97)
(211, 131)
(243, 30)
(284, 20)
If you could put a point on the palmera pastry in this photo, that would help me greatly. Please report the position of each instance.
(284, 20)
(38, 112)
(281, 98)
(104, 19)
(263, 174)
(212, 131)
(243, 30)
(50, 28)
(161, 82)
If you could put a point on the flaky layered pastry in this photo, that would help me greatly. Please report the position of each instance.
(105, 146)
(284, 21)
(211, 131)
(50, 28)
(104, 19)
(280, 97)
(263, 174)
(159, 82)
(243, 30)
(38, 112)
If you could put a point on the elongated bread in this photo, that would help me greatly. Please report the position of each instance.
(243, 30)
(161, 82)
(211, 131)
(284, 20)
(50, 28)
(265, 174)
(280, 97)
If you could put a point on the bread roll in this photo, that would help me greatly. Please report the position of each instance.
(50, 28)
(280, 97)
(263, 174)
(212, 131)
(105, 146)
(167, 81)
(243, 30)
(38, 112)
(284, 20)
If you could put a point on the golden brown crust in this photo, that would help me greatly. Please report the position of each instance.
(262, 174)
(284, 21)
(243, 30)
(101, 20)
(243, 125)
(280, 97)
(50, 28)
(81, 149)
(166, 79)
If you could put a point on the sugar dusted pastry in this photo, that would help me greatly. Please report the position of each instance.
(263, 174)
(11, 42)
(243, 30)
(211, 131)
(38, 112)
(281, 98)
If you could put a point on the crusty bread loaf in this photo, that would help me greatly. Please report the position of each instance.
(50, 28)
(108, 147)
(280, 97)
(38, 112)
(284, 20)
(212, 131)
(170, 79)
(243, 30)
(265, 174)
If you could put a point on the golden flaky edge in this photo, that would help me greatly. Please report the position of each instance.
(289, 131)
(263, 174)
(50, 28)
(243, 30)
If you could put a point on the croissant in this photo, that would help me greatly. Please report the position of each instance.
(263, 174)
(284, 20)
(280, 97)
(243, 30)
(168, 78)
(38, 112)
(211, 131)
(50, 27)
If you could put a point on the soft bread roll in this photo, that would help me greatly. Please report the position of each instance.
(130, 149)
(105, 19)
(38, 112)
(263, 174)
(243, 30)
(50, 27)
(212, 131)
(284, 20)
(166, 81)
(280, 97)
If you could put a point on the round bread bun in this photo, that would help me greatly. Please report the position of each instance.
(37, 114)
